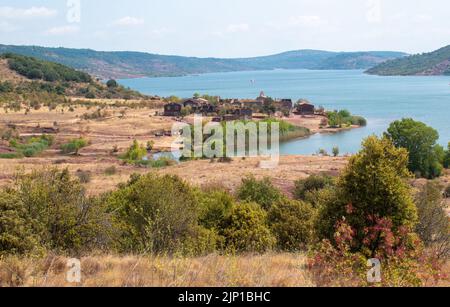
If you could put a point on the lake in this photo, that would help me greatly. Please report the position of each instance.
(380, 100)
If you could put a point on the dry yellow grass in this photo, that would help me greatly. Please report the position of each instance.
(271, 270)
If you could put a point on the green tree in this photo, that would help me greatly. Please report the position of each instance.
(373, 186)
(307, 189)
(136, 152)
(447, 157)
(420, 141)
(112, 84)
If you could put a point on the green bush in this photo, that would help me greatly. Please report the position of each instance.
(261, 192)
(16, 226)
(246, 229)
(74, 146)
(447, 192)
(307, 189)
(58, 214)
(135, 153)
(292, 224)
(154, 214)
(447, 157)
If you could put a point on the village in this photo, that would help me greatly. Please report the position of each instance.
(241, 109)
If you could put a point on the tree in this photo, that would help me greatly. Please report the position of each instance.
(372, 187)
(112, 84)
(335, 151)
(420, 141)
(447, 157)
(306, 189)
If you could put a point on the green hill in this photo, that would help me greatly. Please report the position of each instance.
(138, 64)
(426, 64)
(36, 69)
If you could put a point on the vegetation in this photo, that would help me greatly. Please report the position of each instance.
(433, 226)
(433, 63)
(29, 147)
(338, 119)
(261, 192)
(74, 146)
(372, 187)
(425, 156)
(33, 68)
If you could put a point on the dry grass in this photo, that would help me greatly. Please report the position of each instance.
(271, 270)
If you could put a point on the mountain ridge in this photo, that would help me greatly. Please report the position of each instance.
(130, 64)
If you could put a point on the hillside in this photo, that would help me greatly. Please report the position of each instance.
(138, 64)
(427, 64)
(28, 78)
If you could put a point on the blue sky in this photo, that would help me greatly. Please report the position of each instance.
(228, 28)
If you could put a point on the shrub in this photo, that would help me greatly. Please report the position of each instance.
(420, 141)
(335, 151)
(447, 157)
(292, 224)
(215, 206)
(372, 186)
(306, 189)
(57, 210)
(84, 176)
(74, 146)
(135, 153)
(401, 255)
(154, 214)
(261, 192)
(447, 192)
(246, 230)
(433, 227)
(111, 170)
(16, 228)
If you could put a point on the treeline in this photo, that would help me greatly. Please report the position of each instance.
(36, 69)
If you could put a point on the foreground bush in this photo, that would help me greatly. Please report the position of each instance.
(47, 210)
(246, 230)
(154, 214)
(292, 223)
(401, 255)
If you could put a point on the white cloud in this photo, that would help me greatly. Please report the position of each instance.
(33, 12)
(234, 28)
(129, 21)
(62, 30)
(307, 21)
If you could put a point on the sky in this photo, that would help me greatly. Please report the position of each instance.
(227, 28)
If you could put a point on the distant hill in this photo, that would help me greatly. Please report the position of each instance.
(138, 64)
(426, 64)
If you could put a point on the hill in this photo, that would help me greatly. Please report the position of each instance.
(427, 64)
(127, 64)
(28, 78)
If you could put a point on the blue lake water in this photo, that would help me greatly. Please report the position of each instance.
(379, 99)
